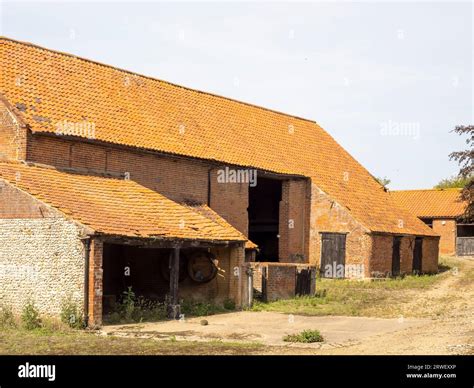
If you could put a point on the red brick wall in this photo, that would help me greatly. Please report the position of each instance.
(328, 216)
(95, 282)
(294, 221)
(281, 282)
(17, 204)
(429, 262)
(48, 150)
(12, 135)
(407, 244)
(311, 210)
(231, 201)
(382, 249)
(447, 231)
(178, 179)
(381, 259)
(280, 278)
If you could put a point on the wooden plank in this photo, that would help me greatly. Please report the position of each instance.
(396, 256)
(333, 253)
(312, 289)
(154, 243)
(341, 260)
(174, 310)
(465, 246)
(264, 284)
(418, 255)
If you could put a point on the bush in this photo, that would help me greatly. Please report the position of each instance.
(199, 309)
(306, 336)
(30, 316)
(7, 319)
(128, 303)
(71, 315)
(136, 309)
(147, 310)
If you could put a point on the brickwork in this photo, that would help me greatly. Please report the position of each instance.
(447, 230)
(230, 201)
(305, 213)
(381, 259)
(328, 216)
(407, 244)
(95, 282)
(293, 228)
(279, 279)
(182, 180)
(17, 204)
(12, 135)
(430, 255)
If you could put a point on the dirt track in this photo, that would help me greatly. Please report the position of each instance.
(447, 326)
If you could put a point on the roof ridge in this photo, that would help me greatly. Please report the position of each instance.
(154, 79)
(440, 189)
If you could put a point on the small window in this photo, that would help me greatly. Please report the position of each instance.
(465, 230)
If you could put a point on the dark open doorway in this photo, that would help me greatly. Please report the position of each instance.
(396, 255)
(418, 255)
(264, 217)
(145, 270)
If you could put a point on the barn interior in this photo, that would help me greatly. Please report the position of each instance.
(264, 217)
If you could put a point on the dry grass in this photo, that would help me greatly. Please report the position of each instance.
(387, 298)
(67, 342)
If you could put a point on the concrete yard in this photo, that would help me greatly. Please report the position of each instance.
(434, 320)
(267, 328)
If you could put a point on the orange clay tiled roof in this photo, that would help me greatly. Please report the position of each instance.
(117, 207)
(49, 87)
(434, 203)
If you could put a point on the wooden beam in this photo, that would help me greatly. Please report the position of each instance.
(167, 243)
(174, 310)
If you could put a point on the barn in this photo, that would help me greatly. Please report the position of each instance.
(443, 211)
(111, 179)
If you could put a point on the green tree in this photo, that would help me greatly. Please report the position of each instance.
(456, 181)
(465, 160)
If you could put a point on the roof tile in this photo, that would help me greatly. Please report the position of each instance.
(434, 203)
(143, 112)
(117, 207)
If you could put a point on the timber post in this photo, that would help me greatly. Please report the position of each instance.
(174, 309)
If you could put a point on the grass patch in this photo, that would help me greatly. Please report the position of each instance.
(202, 309)
(306, 336)
(43, 341)
(377, 298)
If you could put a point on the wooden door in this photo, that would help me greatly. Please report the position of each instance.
(305, 281)
(418, 255)
(333, 255)
(396, 256)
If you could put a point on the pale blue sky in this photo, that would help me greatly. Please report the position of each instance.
(388, 80)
